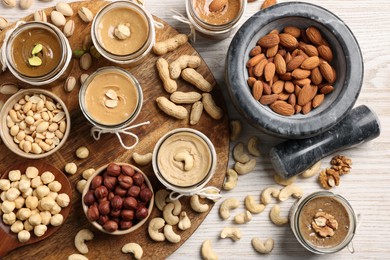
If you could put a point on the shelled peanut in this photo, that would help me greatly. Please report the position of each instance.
(290, 70)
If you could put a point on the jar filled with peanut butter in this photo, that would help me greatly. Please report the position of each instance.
(215, 19)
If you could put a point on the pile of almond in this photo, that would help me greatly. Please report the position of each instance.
(290, 70)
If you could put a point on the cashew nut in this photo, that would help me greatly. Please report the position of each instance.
(153, 229)
(168, 215)
(263, 247)
(133, 248)
(170, 235)
(226, 206)
(177, 209)
(267, 193)
(244, 168)
(213, 192)
(239, 154)
(160, 198)
(275, 217)
(253, 146)
(186, 158)
(231, 232)
(77, 257)
(207, 251)
(231, 180)
(184, 222)
(284, 182)
(197, 206)
(242, 218)
(251, 205)
(142, 159)
(80, 238)
(312, 170)
(235, 128)
(290, 190)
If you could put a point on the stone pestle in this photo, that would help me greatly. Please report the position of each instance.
(295, 156)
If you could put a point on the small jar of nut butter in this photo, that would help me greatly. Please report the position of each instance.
(38, 54)
(323, 222)
(123, 32)
(215, 19)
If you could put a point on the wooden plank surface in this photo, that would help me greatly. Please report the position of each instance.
(366, 187)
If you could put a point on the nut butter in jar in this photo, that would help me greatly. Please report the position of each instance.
(123, 32)
(38, 54)
(184, 160)
(323, 222)
(111, 98)
(212, 23)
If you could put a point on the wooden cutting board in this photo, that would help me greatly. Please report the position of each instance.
(107, 149)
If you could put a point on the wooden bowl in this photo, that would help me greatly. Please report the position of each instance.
(9, 240)
(4, 130)
(118, 232)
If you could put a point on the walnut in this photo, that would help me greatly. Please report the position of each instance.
(324, 224)
(329, 178)
(341, 164)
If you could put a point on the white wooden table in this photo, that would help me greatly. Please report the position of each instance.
(367, 185)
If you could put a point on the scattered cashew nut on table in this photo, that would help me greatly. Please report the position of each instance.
(231, 180)
(267, 193)
(235, 130)
(239, 154)
(160, 198)
(177, 209)
(80, 238)
(244, 168)
(207, 251)
(133, 248)
(312, 170)
(168, 215)
(253, 146)
(231, 232)
(153, 229)
(275, 217)
(290, 190)
(184, 222)
(284, 182)
(197, 206)
(263, 247)
(243, 217)
(252, 206)
(170, 235)
(226, 206)
(142, 159)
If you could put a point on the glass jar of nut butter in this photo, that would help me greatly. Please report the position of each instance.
(123, 32)
(215, 19)
(323, 222)
(38, 54)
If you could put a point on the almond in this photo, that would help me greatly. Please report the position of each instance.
(314, 35)
(317, 100)
(325, 52)
(292, 99)
(300, 73)
(287, 57)
(268, 3)
(269, 71)
(269, 40)
(268, 99)
(251, 81)
(310, 63)
(306, 108)
(289, 87)
(217, 5)
(297, 90)
(295, 63)
(306, 94)
(278, 87)
(255, 60)
(272, 51)
(266, 89)
(257, 90)
(302, 82)
(280, 64)
(326, 89)
(327, 72)
(282, 52)
(298, 109)
(316, 76)
(286, 76)
(310, 50)
(258, 70)
(283, 96)
(250, 72)
(292, 30)
(282, 108)
(288, 41)
(255, 51)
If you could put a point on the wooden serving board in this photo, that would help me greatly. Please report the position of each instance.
(107, 149)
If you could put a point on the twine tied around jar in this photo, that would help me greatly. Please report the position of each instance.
(174, 195)
(183, 19)
(97, 131)
(3, 54)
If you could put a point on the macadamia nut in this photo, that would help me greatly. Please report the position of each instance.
(23, 214)
(29, 192)
(14, 175)
(12, 194)
(7, 206)
(47, 203)
(27, 226)
(56, 220)
(24, 236)
(5, 184)
(24, 185)
(56, 209)
(40, 230)
(17, 226)
(47, 177)
(42, 191)
(82, 152)
(55, 186)
(45, 216)
(88, 173)
(35, 219)
(52, 195)
(15, 184)
(19, 202)
(9, 218)
(32, 172)
(71, 168)
(63, 200)
(31, 202)
(81, 185)
(36, 182)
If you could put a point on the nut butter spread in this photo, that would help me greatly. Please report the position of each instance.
(223, 16)
(22, 48)
(184, 159)
(324, 222)
(111, 98)
(136, 31)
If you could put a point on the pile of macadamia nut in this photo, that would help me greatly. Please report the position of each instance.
(31, 202)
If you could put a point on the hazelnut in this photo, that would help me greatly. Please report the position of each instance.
(138, 179)
(115, 213)
(141, 212)
(145, 195)
(93, 213)
(125, 224)
(110, 182)
(113, 169)
(130, 203)
(116, 202)
(102, 220)
(116, 220)
(134, 191)
(96, 182)
(110, 195)
(128, 170)
(110, 226)
(127, 214)
(125, 181)
(89, 198)
(101, 192)
(120, 191)
(143, 186)
(104, 207)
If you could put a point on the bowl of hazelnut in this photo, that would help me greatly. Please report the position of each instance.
(118, 198)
